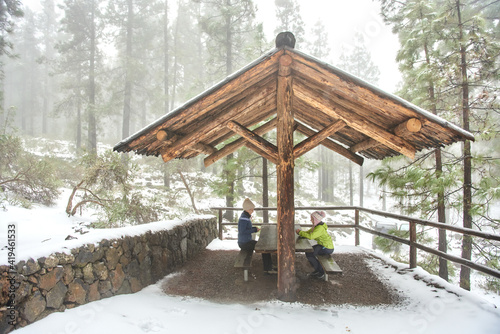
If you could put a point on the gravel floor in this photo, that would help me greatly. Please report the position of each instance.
(211, 276)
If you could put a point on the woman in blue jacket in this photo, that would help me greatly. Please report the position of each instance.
(245, 230)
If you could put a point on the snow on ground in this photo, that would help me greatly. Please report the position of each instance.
(425, 309)
(44, 230)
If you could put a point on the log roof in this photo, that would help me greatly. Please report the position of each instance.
(331, 107)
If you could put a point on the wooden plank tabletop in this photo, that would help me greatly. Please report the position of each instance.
(268, 240)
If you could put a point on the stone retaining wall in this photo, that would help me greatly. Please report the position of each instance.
(126, 265)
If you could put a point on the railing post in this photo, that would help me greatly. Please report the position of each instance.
(356, 229)
(220, 224)
(413, 248)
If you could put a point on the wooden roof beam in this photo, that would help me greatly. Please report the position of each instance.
(235, 145)
(203, 148)
(404, 129)
(166, 137)
(262, 153)
(411, 126)
(358, 123)
(254, 139)
(212, 99)
(316, 139)
(330, 144)
(207, 125)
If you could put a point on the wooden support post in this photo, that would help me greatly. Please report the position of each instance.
(285, 191)
(413, 248)
(356, 229)
(220, 224)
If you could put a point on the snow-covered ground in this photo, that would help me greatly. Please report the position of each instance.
(425, 309)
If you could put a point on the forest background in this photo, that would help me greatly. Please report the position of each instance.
(94, 72)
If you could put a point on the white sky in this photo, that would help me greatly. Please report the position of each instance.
(343, 18)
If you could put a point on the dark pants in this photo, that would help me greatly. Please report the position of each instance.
(266, 257)
(313, 260)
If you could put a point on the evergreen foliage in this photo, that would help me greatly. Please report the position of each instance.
(449, 59)
(107, 187)
(24, 177)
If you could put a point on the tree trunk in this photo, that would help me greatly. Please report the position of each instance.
(467, 223)
(361, 186)
(229, 70)
(127, 97)
(79, 113)
(229, 175)
(265, 190)
(92, 127)
(189, 192)
(441, 210)
(166, 108)
(351, 185)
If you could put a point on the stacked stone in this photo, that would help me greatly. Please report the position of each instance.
(61, 281)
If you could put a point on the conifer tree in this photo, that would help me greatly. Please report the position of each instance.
(289, 19)
(447, 57)
(358, 62)
(81, 58)
(230, 30)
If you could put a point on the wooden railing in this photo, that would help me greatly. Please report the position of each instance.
(412, 242)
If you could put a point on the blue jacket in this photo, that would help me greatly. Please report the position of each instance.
(245, 228)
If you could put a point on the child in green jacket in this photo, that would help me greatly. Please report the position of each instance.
(325, 244)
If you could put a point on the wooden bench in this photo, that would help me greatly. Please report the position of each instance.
(244, 260)
(329, 265)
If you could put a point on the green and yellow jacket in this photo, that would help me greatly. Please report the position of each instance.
(320, 234)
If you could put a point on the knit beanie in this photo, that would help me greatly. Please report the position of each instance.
(317, 217)
(248, 205)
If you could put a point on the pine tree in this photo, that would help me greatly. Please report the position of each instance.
(447, 59)
(135, 22)
(80, 52)
(418, 65)
(230, 30)
(289, 19)
(48, 29)
(359, 63)
(22, 74)
(9, 11)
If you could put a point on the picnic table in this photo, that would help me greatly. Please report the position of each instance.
(268, 240)
(268, 243)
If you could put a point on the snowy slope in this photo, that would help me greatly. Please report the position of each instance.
(43, 230)
(427, 310)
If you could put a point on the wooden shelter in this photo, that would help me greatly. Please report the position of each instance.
(291, 91)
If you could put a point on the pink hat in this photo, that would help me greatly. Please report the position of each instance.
(317, 217)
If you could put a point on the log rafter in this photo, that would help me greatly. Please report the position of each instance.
(235, 145)
(255, 140)
(183, 143)
(358, 123)
(314, 140)
(409, 127)
(330, 144)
